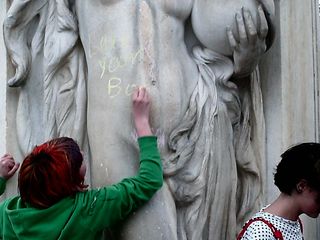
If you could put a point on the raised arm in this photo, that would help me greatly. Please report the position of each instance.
(141, 110)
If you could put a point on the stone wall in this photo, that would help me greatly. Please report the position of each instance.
(290, 87)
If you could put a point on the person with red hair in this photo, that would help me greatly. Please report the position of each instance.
(54, 202)
(52, 171)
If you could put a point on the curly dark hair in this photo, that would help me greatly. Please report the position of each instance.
(300, 162)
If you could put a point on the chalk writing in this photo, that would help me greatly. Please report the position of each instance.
(102, 65)
(115, 63)
(115, 87)
(103, 45)
(111, 61)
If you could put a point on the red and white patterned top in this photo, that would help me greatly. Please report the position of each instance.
(258, 230)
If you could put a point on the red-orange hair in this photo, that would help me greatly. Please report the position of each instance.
(51, 172)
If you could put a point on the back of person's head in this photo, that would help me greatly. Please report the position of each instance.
(300, 162)
(51, 172)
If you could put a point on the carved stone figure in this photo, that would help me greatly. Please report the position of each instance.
(76, 65)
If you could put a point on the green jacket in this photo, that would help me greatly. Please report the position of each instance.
(85, 215)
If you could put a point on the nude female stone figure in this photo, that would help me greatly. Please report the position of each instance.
(92, 55)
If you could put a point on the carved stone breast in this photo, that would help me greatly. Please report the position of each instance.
(210, 20)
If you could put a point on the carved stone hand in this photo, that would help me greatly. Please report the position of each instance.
(251, 44)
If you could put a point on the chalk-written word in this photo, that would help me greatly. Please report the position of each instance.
(116, 87)
(115, 63)
(109, 58)
(100, 48)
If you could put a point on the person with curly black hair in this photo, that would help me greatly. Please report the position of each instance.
(298, 178)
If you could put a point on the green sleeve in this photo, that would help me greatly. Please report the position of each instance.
(2, 185)
(110, 204)
(2, 188)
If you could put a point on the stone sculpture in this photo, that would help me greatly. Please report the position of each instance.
(76, 65)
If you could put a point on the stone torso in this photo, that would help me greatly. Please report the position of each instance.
(128, 44)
